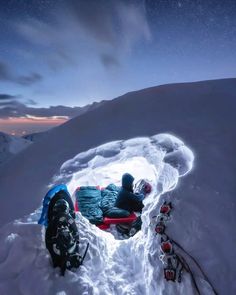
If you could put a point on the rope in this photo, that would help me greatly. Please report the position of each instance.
(195, 261)
(187, 268)
(181, 259)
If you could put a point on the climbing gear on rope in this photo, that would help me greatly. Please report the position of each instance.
(188, 270)
(170, 273)
(166, 208)
(174, 263)
(173, 267)
(160, 228)
(164, 212)
(167, 247)
(197, 264)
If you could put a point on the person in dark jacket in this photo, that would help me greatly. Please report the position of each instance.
(126, 198)
(62, 237)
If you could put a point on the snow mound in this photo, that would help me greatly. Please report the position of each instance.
(146, 157)
(10, 146)
(111, 266)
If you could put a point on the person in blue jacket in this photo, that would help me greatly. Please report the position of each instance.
(127, 199)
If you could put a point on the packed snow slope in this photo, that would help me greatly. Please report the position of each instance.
(201, 113)
(112, 266)
(11, 145)
(34, 136)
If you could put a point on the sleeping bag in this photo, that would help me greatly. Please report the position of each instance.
(88, 199)
(107, 204)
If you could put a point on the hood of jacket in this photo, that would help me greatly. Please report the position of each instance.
(127, 181)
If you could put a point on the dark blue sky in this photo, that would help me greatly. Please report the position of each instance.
(74, 52)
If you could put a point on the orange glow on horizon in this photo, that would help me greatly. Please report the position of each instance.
(22, 126)
(32, 120)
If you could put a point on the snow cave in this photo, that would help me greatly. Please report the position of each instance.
(113, 265)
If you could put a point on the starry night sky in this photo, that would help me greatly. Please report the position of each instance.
(75, 52)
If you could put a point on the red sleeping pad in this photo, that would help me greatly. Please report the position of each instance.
(107, 221)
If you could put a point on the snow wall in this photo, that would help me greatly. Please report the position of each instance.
(112, 266)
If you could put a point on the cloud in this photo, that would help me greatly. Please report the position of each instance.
(30, 79)
(8, 96)
(6, 74)
(96, 17)
(18, 109)
(105, 29)
(112, 21)
(31, 102)
(133, 24)
(57, 38)
(109, 61)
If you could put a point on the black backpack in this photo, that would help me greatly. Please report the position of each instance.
(64, 245)
(64, 242)
(67, 247)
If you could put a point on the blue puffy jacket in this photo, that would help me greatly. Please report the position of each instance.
(126, 198)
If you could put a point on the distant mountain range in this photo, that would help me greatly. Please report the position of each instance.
(10, 145)
(79, 111)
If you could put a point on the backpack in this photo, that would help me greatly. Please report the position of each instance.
(65, 246)
(64, 243)
(55, 193)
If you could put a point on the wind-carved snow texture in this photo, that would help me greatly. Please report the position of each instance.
(111, 266)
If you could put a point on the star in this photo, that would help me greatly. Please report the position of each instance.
(180, 4)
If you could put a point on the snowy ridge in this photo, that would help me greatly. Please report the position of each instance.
(206, 113)
(34, 136)
(201, 113)
(11, 145)
(111, 266)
